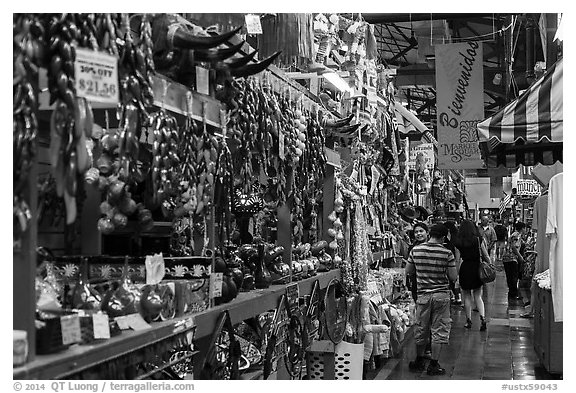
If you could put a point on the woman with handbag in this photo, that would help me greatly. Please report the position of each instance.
(472, 250)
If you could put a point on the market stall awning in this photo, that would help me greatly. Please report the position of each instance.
(535, 116)
(529, 130)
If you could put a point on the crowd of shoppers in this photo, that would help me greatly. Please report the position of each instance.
(444, 262)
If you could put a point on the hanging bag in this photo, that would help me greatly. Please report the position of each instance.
(486, 270)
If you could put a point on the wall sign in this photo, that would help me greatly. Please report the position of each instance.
(96, 76)
(460, 104)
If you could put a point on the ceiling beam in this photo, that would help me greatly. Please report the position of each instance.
(400, 17)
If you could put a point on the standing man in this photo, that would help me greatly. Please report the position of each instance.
(434, 266)
(488, 234)
(501, 236)
(512, 259)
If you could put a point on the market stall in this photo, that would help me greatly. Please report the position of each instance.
(184, 209)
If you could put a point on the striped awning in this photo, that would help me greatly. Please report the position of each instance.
(536, 116)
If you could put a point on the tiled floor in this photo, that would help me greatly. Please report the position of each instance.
(505, 351)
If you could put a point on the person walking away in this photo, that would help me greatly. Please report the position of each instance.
(512, 258)
(501, 235)
(450, 239)
(434, 266)
(488, 234)
(472, 248)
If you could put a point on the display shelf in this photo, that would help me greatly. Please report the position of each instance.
(81, 357)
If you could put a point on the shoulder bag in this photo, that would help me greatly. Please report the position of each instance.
(486, 270)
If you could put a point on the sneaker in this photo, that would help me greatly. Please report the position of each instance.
(527, 315)
(416, 365)
(435, 370)
(468, 324)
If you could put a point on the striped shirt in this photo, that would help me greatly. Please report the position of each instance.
(432, 261)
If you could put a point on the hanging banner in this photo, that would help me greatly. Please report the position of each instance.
(427, 156)
(460, 104)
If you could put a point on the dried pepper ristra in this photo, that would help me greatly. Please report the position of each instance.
(29, 48)
(120, 168)
(72, 120)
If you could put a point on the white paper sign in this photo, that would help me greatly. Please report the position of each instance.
(101, 326)
(202, 80)
(427, 150)
(253, 24)
(122, 322)
(71, 333)
(136, 322)
(216, 284)
(97, 76)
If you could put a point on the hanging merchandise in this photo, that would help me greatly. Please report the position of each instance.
(28, 55)
(293, 34)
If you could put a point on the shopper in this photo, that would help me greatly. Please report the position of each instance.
(512, 258)
(449, 244)
(501, 235)
(420, 231)
(488, 234)
(472, 248)
(434, 266)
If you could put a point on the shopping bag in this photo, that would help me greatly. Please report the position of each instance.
(487, 272)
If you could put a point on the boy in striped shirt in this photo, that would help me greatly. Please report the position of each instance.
(434, 266)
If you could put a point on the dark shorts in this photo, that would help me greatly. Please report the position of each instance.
(433, 315)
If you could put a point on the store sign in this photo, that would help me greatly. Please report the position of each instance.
(96, 76)
(332, 157)
(460, 104)
(426, 150)
(527, 187)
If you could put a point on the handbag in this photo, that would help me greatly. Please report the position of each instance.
(486, 270)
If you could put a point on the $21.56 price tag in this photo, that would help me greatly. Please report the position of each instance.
(96, 76)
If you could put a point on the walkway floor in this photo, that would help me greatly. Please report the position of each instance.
(504, 352)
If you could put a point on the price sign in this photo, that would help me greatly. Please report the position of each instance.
(292, 295)
(136, 322)
(253, 25)
(96, 76)
(101, 326)
(216, 284)
(202, 80)
(122, 322)
(70, 329)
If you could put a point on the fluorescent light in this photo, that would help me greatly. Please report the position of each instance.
(338, 82)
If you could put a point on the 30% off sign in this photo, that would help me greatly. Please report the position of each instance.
(96, 76)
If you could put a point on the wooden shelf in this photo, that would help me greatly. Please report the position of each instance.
(81, 357)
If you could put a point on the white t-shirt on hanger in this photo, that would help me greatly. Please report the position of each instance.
(554, 227)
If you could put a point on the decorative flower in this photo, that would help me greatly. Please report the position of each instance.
(105, 271)
(180, 270)
(70, 270)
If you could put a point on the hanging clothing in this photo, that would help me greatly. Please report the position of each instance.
(554, 228)
(542, 241)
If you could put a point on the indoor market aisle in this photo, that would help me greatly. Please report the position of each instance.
(504, 351)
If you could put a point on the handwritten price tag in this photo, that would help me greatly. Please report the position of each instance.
(216, 284)
(101, 326)
(70, 329)
(96, 76)
(253, 25)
